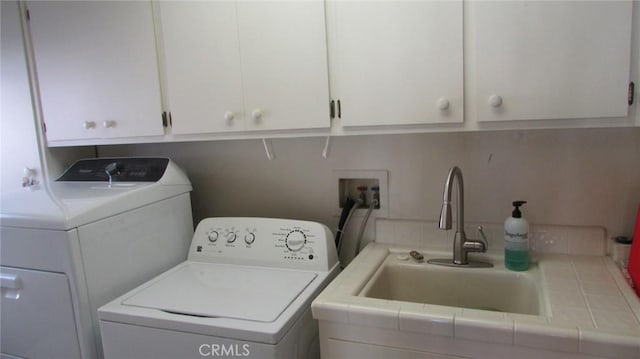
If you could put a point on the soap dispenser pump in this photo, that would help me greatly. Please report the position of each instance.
(516, 240)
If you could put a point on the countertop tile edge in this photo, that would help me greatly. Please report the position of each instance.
(549, 337)
(600, 343)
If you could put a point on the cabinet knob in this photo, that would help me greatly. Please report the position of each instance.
(256, 114)
(109, 124)
(88, 125)
(495, 101)
(443, 104)
(229, 116)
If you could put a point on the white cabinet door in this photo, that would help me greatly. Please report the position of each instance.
(202, 61)
(396, 62)
(36, 315)
(284, 64)
(97, 69)
(549, 59)
(236, 66)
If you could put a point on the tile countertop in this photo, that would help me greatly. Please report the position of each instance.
(593, 309)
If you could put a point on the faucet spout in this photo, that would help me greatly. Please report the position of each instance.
(445, 213)
(461, 246)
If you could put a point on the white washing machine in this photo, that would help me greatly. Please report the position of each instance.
(104, 227)
(244, 291)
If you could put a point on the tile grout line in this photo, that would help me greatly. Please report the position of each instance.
(584, 297)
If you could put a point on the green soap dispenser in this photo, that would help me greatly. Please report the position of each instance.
(516, 240)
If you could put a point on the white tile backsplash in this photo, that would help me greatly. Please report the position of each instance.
(573, 240)
(410, 233)
(589, 241)
(385, 231)
(549, 239)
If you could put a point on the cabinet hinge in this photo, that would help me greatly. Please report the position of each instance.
(166, 119)
(630, 95)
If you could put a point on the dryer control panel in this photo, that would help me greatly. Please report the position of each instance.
(129, 169)
(272, 242)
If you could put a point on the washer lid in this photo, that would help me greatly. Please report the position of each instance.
(224, 291)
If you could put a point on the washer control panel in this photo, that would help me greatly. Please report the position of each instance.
(264, 241)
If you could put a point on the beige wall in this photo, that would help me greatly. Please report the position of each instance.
(574, 177)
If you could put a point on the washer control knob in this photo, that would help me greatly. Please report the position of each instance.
(249, 238)
(295, 240)
(112, 169)
(231, 237)
(213, 236)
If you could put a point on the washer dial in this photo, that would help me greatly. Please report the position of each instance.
(213, 236)
(231, 237)
(249, 238)
(295, 240)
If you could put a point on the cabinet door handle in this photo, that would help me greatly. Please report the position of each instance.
(443, 104)
(229, 116)
(10, 281)
(88, 125)
(495, 101)
(109, 124)
(332, 109)
(256, 114)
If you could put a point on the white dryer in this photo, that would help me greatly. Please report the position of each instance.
(105, 226)
(245, 291)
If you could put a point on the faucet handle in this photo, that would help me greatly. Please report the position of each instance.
(484, 238)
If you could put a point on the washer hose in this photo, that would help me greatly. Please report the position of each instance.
(347, 212)
(373, 204)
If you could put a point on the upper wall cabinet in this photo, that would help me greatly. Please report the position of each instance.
(97, 69)
(202, 61)
(396, 62)
(549, 59)
(237, 66)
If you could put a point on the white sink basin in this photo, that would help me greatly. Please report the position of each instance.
(494, 289)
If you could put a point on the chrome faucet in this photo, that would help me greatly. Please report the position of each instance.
(461, 245)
